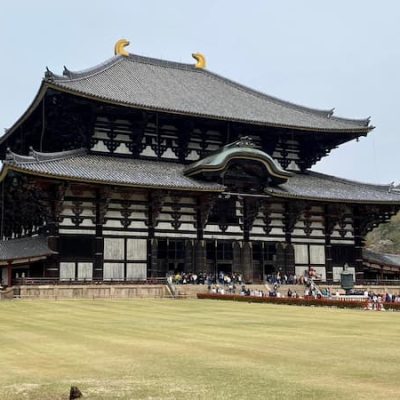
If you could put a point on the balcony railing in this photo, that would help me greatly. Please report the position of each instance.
(57, 281)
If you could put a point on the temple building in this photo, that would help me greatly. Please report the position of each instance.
(140, 166)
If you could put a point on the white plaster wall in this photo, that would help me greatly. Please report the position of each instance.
(317, 254)
(136, 249)
(85, 270)
(113, 271)
(136, 271)
(114, 249)
(67, 270)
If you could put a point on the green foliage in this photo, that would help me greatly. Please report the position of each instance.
(386, 237)
(308, 302)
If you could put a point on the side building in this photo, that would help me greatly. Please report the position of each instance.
(140, 166)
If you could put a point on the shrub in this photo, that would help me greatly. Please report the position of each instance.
(296, 301)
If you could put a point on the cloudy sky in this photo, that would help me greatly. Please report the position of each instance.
(343, 54)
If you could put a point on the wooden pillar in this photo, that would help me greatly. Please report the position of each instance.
(188, 265)
(52, 264)
(329, 226)
(247, 261)
(156, 200)
(99, 240)
(328, 259)
(237, 265)
(358, 243)
(200, 257)
(204, 205)
(152, 258)
(289, 260)
(280, 257)
(246, 220)
(9, 274)
(292, 213)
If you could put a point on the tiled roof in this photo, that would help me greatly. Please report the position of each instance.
(181, 88)
(77, 165)
(381, 258)
(29, 247)
(314, 185)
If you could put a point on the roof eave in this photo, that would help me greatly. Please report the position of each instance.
(290, 196)
(10, 167)
(36, 101)
(361, 130)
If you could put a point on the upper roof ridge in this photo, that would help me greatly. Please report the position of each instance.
(70, 76)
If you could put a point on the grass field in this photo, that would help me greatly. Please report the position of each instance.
(188, 349)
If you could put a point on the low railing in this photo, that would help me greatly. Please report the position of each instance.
(57, 281)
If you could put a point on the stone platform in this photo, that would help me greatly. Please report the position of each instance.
(89, 291)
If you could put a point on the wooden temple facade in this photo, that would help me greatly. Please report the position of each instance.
(140, 166)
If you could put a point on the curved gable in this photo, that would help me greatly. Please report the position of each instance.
(242, 150)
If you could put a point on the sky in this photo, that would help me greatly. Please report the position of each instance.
(341, 54)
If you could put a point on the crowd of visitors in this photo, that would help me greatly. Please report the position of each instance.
(246, 291)
(190, 278)
(223, 278)
(232, 283)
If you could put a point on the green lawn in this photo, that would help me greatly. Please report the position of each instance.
(188, 349)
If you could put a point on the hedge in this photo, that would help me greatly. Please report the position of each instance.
(296, 301)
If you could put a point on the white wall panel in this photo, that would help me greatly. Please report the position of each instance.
(122, 149)
(136, 249)
(321, 273)
(300, 271)
(136, 271)
(113, 271)
(100, 146)
(85, 270)
(149, 152)
(67, 271)
(114, 249)
(317, 254)
(169, 154)
(4, 276)
(176, 235)
(300, 254)
(78, 231)
(124, 233)
(138, 225)
(276, 231)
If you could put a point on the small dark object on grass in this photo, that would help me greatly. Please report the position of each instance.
(75, 393)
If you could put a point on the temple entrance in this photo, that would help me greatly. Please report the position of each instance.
(284, 259)
(264, 260)
(224, 257)
(171, 256)
(226, 268)
(220, 256)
